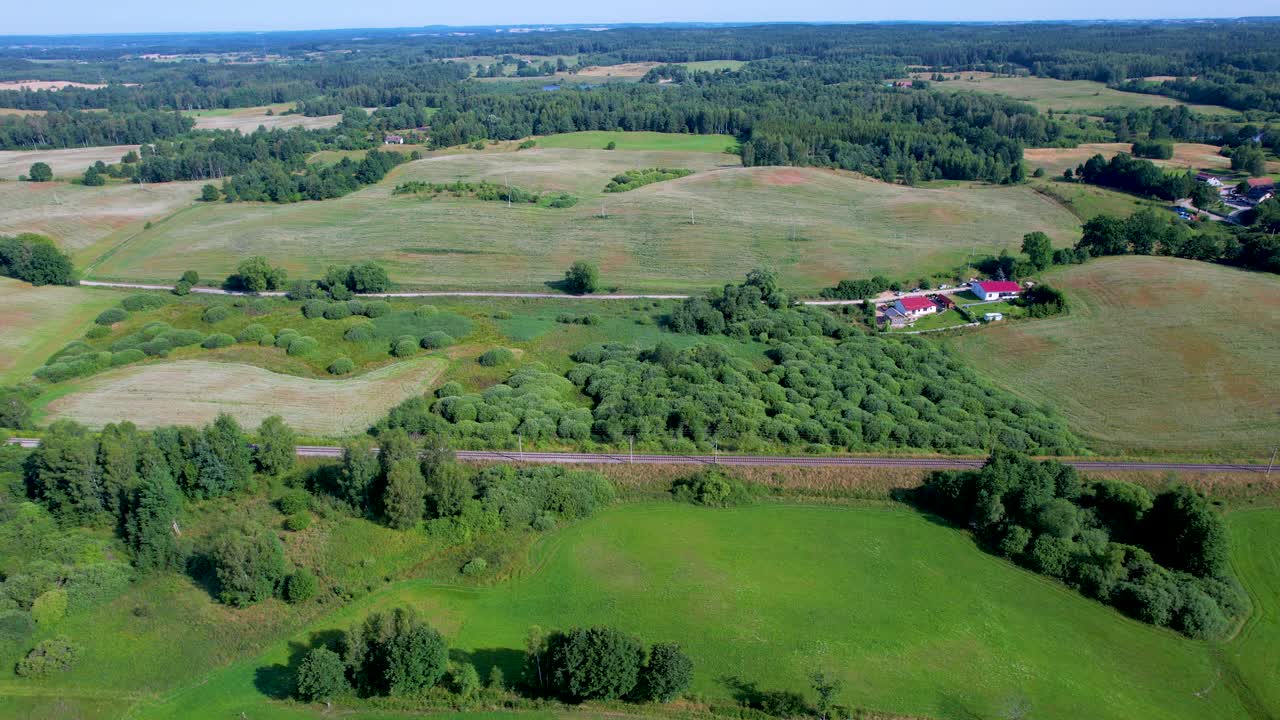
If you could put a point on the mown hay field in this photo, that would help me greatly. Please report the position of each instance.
(193, 392)
(88, 222)
(247, 120)
(70, 162)
(1192, 156)
(36, 321)
(1157, 355)
(928, 624)
(814, 226)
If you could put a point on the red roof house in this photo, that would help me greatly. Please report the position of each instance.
(914, 306)
(994, 289)
(1262, 182)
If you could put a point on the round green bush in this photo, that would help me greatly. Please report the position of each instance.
(496, 356)
(252, 333)
(376, 308)
(111, 316)
(216, 313)
(293, 502)
(267, 340)
(404, 347)
(299, 521)
(450, 389)
(341, 366)
(501, 315)
(157, 347)
(356, 307)
(97, 331)
(286, 336)
(183, 338)
(217, 340)
(301, 586)
(359, 333)
(182, 288)
(124, 357)
(426, 310)
(302, 345)
(70, 350)
(314, 308)
(143, 301)
(154, 328)
(337, 311)
(260, 306)
(190, 277)
(475, 566)
(437, 339)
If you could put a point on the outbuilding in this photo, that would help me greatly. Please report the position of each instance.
(994, 289)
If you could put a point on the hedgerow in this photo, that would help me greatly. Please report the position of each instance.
(632, 179)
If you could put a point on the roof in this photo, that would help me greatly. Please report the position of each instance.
(914, 303)
(998, 286)
(1261, 182)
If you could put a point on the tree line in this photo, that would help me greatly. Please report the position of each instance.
(84, 129)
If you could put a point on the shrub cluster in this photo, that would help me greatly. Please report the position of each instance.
(1162, 559)
(712, 487)
(496, 357)
(604, 663)
(488, 191)
(35, 259)
(633, 179)
(588, 319)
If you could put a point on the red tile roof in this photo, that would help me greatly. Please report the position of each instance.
(915, 303)
(1261, 182)
(999, 286)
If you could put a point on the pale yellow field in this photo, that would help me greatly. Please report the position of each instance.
(1195, 156)
(48, 85)
(247, 120)
(193, 392)
(70, 162)
(87, 221)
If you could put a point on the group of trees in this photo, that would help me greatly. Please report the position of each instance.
(35, 259)
(1145, 233)
(633, 179)
(273, 181)
(1141, 177)
(484, 190)
(604, 663)
(81, 129)
(1161, 558)
(257, 274)
(342, 282)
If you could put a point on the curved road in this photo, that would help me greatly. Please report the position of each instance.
(937, 463)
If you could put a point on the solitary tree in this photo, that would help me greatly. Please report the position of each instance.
(249, 563)
(40, 172)
(321, 676)
(668, 673)
(277, 446)
(827, 689)
(358, 473)
(1038, 248)
(405, 495)
(582, 278)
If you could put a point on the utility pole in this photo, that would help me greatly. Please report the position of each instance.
(520, 446)
(508, 191)
(604, 211)
(1272, 463)
(631, 449)
(691, 221)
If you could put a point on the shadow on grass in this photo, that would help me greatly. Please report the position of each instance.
(277, 681)
(509, 660)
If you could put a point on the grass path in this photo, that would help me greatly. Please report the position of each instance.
(911, 614)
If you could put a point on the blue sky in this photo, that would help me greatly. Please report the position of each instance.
(95, 16)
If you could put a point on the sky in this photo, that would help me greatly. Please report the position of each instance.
(95, 16)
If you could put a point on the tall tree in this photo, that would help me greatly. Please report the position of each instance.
(277, 446)
(152, 528)
(1038, 249)
(63, 472)
(405, 496)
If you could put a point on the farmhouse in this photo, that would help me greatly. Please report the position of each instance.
(914, 307)
(393, 140)
(1260, 190)
(994, 289)
(1210, 180)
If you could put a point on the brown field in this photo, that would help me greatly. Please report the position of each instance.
(193, 392)
(80, 217)
(65, 163)
(1196, 156)
(625, 70)
(22, 113)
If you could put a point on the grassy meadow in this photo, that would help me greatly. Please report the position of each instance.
(929, 625)
(67, 163)
(639, 141)
(814, 226)
(1079, 96)
(246, 120)
(37, 321)
(1157, 355)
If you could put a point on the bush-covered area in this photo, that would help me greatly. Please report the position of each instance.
(487, 191)
(633, 179)
(1162, 559)
(495, 357)
(272, 181)
(713, 487)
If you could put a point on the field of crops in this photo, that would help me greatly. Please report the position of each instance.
(1157, 354)
(814, 226)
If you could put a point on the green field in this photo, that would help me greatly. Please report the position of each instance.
(1156, 355)
(37, 321)
(639, 141)
(1254, 655)
(814, 226)
(911, 615)
(1079, 96)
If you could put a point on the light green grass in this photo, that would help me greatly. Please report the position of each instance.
(844, 226)
(1156, 355)
(1088, 201)
(1078, 96)
(1254, 655)
(911, 615)
(714, 65)
(640, 141)
(36, 321)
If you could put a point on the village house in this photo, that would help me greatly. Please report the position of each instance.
(1210, 180)
(994, 289)
(393, 140)
(913, 307)
(1260, 190)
